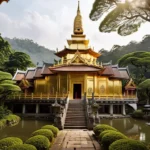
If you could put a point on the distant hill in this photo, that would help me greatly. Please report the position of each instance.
(37, 53)
(118, 51)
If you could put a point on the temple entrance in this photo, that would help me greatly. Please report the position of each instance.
(77, 91)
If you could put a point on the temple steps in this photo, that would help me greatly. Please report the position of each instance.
(75, 118)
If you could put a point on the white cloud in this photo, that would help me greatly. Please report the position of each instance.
(50, 23)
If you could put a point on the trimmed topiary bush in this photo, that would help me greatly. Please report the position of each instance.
(9, 141)
(102, 127)
(138, 114)
(105, 132)
(127, 144)
(22, 147)
(46, 132)
(109, 138)
(40, 142)
(54, 129)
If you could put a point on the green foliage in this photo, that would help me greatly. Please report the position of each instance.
(140, 60)
(40, 142)
(4, 111)
(36, 52)
(98, 129)
(111, 137)
(54, 129)
(127, 144)
(144, 90)
(46, 132)
(22, 147)
(12, 117)
(7, 87)
(123, 17)
(138, 114)
(18, 60)
(9, 141)
(105, 132)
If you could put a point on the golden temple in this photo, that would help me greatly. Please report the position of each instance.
(77, 72)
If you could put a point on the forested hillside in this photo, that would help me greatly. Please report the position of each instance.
(118, 51)
(36, 52)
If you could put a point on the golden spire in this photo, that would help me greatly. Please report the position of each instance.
(78, 22)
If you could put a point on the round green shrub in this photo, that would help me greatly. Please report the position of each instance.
(54, 129)
(138, 114)
(102, 127)
(40, 142)
(46, 132)
(105, 132)
(109, 138)
(9, 141)
(22, 147)
(127, 144)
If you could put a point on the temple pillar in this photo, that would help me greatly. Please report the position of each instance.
(37, 108)
(111, 109)
(124, 109)
(23, 109)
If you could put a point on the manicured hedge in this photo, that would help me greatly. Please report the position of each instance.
(138, 114)
(46, 132)
(109, 138)
(22, 147)
(54, 129)
(40, 142)
(127, 144)
(98, 129)
(9, 141)
(105, 132)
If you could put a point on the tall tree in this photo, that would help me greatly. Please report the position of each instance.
(7, 87)
(123, 16)
(144, 91)
(17, 60)
(140, 61)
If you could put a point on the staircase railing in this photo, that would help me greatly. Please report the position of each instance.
(65, 112)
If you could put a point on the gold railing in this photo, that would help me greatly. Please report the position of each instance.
(39, 96)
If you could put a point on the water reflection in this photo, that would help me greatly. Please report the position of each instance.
(23, 130)
(131, 127)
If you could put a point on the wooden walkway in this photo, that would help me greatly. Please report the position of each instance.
(75, 140)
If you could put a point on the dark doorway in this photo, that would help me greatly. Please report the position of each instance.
(77, 91)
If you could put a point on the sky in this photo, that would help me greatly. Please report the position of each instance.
(50, 23)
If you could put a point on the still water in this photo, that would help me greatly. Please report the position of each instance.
(128, 126)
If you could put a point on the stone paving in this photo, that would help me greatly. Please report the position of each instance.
(75, 140)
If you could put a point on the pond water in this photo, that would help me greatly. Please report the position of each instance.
(128, 126)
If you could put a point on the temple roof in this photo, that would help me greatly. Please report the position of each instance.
(45, 69)
(72, 51)
(75, 68)
(37, 73)
(30, 73)
(19, 75)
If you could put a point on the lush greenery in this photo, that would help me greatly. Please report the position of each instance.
(125, 17)
(54, 129)
(111, 137)
(105, 132)
(98, 129)
(40, 142)
(9, 141)
(36, 52)
(140, 62)
(144, 91)
(7, 118)
(46, 132)
(11, 59)
(138, 114)
(7, 86)
(127, 144)
(22, 147)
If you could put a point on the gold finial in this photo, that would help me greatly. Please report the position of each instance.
(78, 22)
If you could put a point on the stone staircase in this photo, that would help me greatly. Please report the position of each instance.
(75, 118)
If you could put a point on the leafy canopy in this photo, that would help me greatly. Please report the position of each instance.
(123, 16)
(7, 86)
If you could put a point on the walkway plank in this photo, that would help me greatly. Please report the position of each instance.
(75, 140)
